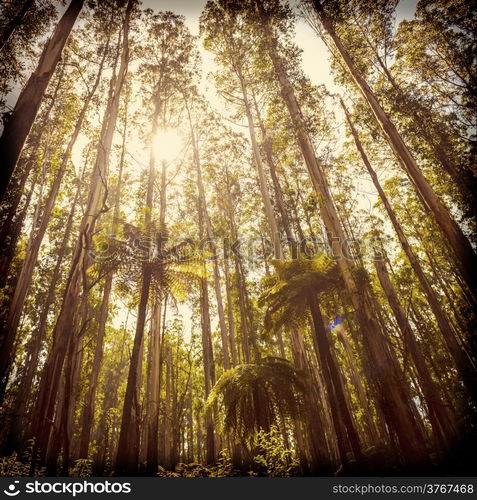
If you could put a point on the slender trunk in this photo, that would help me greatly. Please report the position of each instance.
(64, 331)
(167, 408)
(128, 446)
(162, 430)
(213, 248)
(383, 368)
(230, 312)
(279, 198)
(441, 420)
(208, 361)
(88, 406)
(25, 390)
(26, 273)
(152, 416)
(465, 369)
(14, 23)
(60, 431)
(267, 203)
(190, 425)
(26, 108)
(465, 256)
(333, 382)
(357, 382)
(113, 378)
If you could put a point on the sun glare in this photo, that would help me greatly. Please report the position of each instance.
(167, 145)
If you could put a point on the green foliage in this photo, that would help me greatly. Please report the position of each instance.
(12, 467)
(253, 396)
(224, 465)
(223, 468)
(286, 293)
(274, 459)
(82, 468)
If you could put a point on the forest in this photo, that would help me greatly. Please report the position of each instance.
(214, 264)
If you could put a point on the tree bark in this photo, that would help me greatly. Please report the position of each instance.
(267, 203)
(26, 108)
(383, 370)
(24, 395)
(465, 256)
(155, 347)
(66, 324)
(441, 420)
(334, 385)
(26, 273)
(465, 369)
(213, 248)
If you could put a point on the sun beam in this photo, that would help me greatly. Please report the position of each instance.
(167, 145)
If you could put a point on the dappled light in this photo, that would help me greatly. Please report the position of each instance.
(238, 239)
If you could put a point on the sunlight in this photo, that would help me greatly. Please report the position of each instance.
(167, 145)
(160, 151)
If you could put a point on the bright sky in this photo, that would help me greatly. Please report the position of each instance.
(315, 56)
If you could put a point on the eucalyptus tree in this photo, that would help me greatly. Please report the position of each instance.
(464, 254)
(26, 108)
(21, 25)
(382, 367)
(231, 41)
(463, 364)
(387, 57)
(41, 223)
(15, 21)
(66, 328)
(442, 421)
(168, 59)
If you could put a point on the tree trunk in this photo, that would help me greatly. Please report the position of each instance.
(25, 390)
(464, 254)
(213, 248)
(60, 431)
(466, 371)
(14, 23)
(230, 312)
(155, 347)
(279, 198)
(26, 273)
(26, 108)
(267, 203)
(356, 380)
(441, 420)
(383, 369)
(334, 385)
(64, 331)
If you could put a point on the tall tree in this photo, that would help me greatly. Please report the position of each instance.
(67, 327)
(21, 120)
(464, 253)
